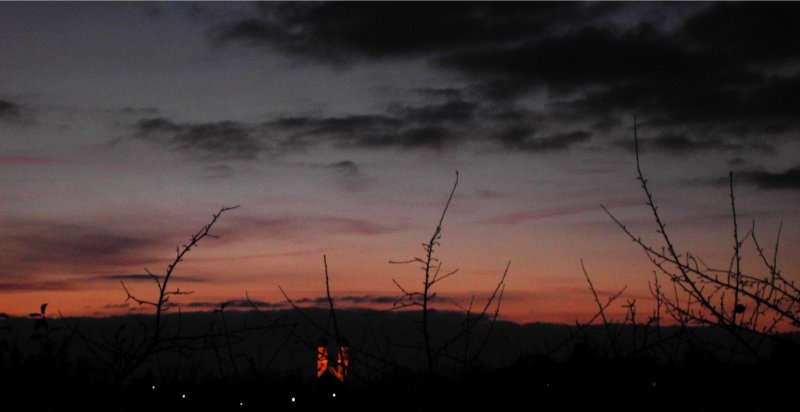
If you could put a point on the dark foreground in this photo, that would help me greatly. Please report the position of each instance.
(75, 365)
(528, 385)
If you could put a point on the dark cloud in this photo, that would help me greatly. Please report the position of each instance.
(337, 125)
(237, 304)
(441, 125)
(523, 40)
(702, 79)
(608, 70)
(9, 110)
(755, 31)
(681, 144)
(787, 179)
(425, 136)
(153, 125)
(707, 106)
(318, 301)
(368, 299)
(523, 138)
(565, 62)
(687, 74)
(342, 32)
(737, 161)
(719, 76)
(116, 305)
(448, 93)
(36, 246)
(432, 126)
(370, 131)
(252, 303)
(226, 139)
(518, 217)
(453, 110)
(353, 130)
(349, 175)
(347, 167)
(131, 277)
(245, 304)
(364, 299)
(58, 242)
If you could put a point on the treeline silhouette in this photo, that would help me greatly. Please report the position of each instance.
(264, 367)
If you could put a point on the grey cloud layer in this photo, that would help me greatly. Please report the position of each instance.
(720, 77)
(30, 244)
(33, 246)
(225, 139)
(260, 304)
(787, 179)
(436, 125)
(343, 32)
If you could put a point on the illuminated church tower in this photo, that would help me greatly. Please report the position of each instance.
(339, 371)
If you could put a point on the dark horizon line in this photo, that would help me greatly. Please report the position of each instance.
(365, 311)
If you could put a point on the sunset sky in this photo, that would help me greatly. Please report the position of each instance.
(338, 129)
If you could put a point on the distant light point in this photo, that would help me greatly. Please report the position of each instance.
(183, 396)
(334, 394)
(293, 399)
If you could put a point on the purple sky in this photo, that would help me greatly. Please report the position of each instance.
(338, 128)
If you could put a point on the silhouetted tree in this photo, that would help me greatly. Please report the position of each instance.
(750, 308)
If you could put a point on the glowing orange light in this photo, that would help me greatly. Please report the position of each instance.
(342, 360)
(322, 359)
(342, 363)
